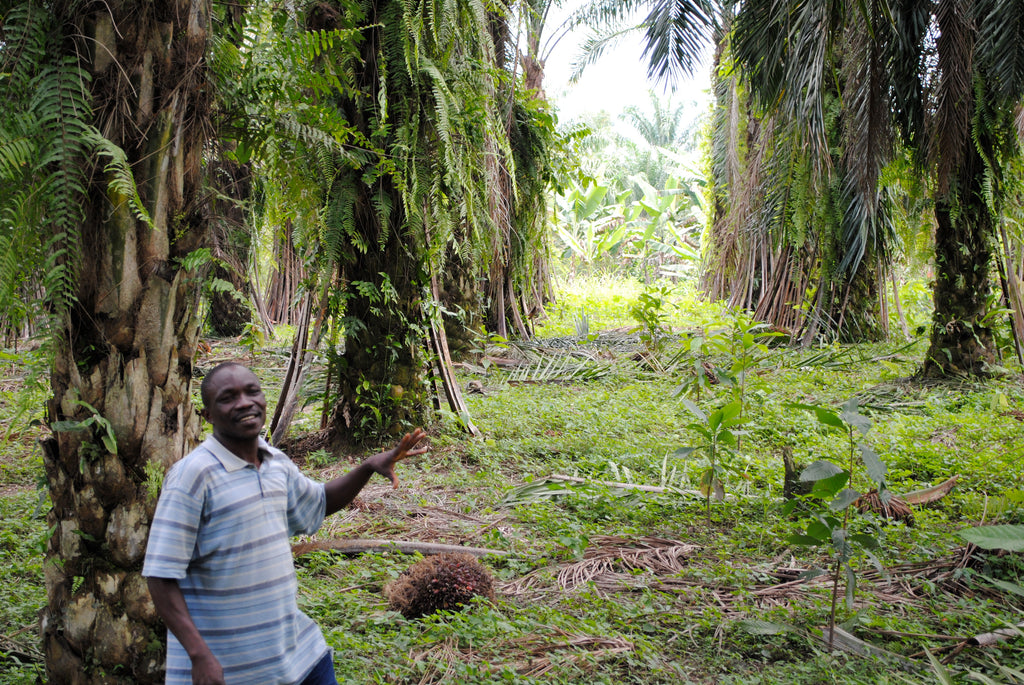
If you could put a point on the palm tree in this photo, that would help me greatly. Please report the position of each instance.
(419, 101)
(940, 78)
(232, 247)
(785, 226)
(98, 94)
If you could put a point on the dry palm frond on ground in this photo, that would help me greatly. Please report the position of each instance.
(611, 559)
(539, 653)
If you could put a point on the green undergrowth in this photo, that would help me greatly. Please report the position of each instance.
(603, 303)
(23, 535)
(725, 613)
(627, 427)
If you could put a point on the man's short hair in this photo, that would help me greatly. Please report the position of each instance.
(204, 387)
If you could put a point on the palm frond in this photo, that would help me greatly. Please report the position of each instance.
(676, 33)
(904, 46)
(1000, 47)
(952, 123)
(122, 182)
(593, 48)
(865, 103)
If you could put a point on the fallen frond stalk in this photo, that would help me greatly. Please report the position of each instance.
(625, 486)
(403, 546)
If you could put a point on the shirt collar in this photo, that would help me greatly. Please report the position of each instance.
(232, 462)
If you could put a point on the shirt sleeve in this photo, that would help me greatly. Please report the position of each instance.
(307, 502)
(172, 536)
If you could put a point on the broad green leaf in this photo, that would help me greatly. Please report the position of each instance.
(831, 521)
(819, 531)
(827, 488)
(864, 540)
(819, 470)
(851, 585)
(875, 562)
(732, 410)
(708, 435)
(1008, 537)
(684, 452)
(876, 468)
(828, 417)
(844, 499)
(733, 422)
(851, 415)
(592, 201)
(841, 544)
(695, 410)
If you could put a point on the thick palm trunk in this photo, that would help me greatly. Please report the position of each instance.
(124, 352)
(960, 342)
(382, 388)
(459, 294)
(859, 318)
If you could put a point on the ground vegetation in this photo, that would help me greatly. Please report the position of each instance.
(610, 568)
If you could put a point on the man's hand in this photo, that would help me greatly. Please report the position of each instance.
(169, 603)
(384, 463)
(206, 670)
(344, 489)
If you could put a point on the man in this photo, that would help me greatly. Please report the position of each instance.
(219, 563)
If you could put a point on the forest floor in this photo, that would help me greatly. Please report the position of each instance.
(602, 581)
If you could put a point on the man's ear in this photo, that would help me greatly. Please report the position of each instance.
(204, 414)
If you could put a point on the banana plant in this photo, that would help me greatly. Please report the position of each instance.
(587, 224)
(659, 219)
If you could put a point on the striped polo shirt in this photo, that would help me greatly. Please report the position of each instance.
(221, 530)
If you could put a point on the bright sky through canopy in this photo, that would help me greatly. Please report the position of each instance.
(617, 80)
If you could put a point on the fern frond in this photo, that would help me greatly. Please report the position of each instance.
(122, 186)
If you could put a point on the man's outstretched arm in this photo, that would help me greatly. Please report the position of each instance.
(170, 605)
(344, 489)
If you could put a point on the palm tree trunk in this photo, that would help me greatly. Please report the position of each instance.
(124, 351)
(460, 294)
(284, 279)
(961, 343)
(381, 386)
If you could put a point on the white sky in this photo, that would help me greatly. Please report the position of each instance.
(617, 80)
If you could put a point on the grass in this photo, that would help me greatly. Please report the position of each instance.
(653, 622)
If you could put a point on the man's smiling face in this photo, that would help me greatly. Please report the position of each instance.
(235, 405)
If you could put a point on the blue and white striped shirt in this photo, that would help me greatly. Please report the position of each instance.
(221, 530)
